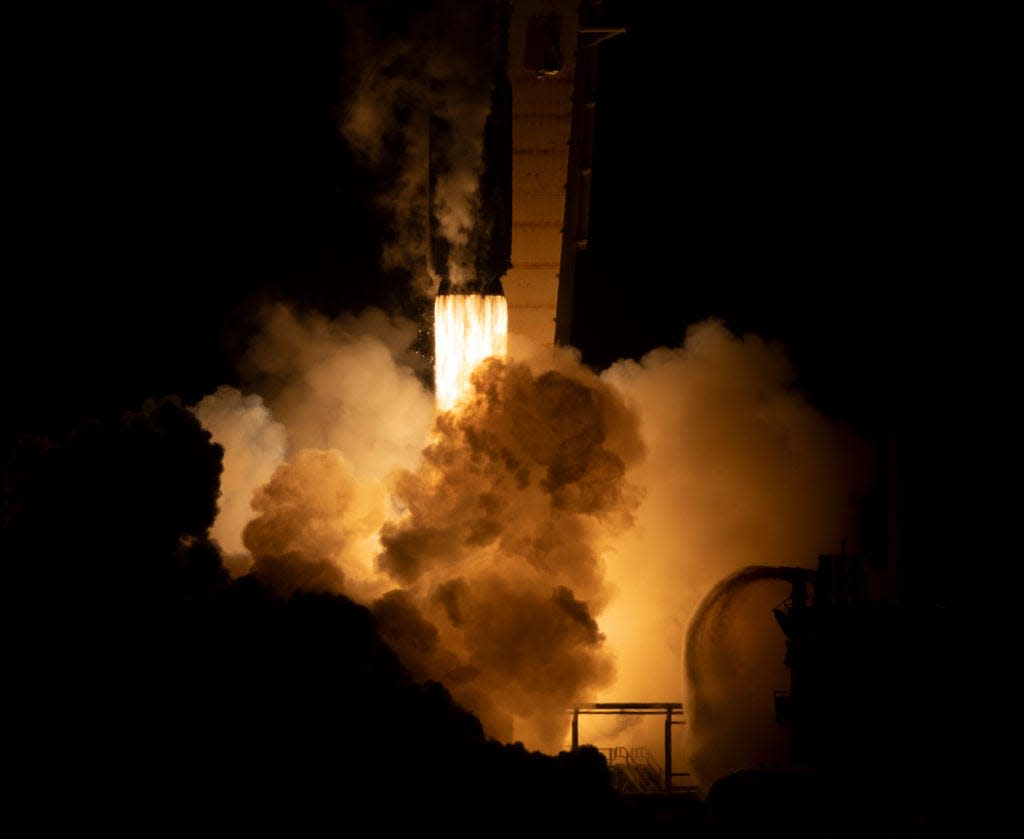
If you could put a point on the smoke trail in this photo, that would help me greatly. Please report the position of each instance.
(726, 654)
(431, 72)
(719, 599)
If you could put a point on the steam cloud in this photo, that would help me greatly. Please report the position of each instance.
(730, 647)
(349, 384)
(741, 470)
(127, 639)
(548, 543)
(254, 445)
(478, 555)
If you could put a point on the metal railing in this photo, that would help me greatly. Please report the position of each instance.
(634, 769)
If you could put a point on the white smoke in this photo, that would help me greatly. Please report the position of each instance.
(741, 470)
(604, 508)
(254, 446)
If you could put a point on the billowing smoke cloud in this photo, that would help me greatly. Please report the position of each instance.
(741, 470)
(347, 390)
(349, 384)
(344, 404)
(316, 526)
(436, 66)
(498, 544)
(480, 559)
(254, 445)
(549, 542)
(124, 637)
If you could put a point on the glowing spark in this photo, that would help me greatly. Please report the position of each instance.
(467, 329)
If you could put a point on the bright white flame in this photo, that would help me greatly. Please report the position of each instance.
(467, 329)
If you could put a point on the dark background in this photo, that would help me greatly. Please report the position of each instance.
(824, 179)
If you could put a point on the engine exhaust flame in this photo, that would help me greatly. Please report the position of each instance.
(467, 329)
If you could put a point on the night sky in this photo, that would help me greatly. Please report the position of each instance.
(171, 167)
(798, 178)
(743, 170)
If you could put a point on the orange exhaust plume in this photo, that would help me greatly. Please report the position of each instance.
(467, 329)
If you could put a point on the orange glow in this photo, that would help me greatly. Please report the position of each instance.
(467, 329)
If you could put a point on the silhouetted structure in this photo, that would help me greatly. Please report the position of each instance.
(489, 243)
(635, 770)
(865, 704)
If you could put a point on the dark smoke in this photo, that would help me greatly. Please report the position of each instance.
(497, 544)
(118, 508)
(146, 691)
(311, 520)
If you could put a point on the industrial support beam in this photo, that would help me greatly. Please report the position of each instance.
(668, 751)
(576, 217)
(669, 709)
